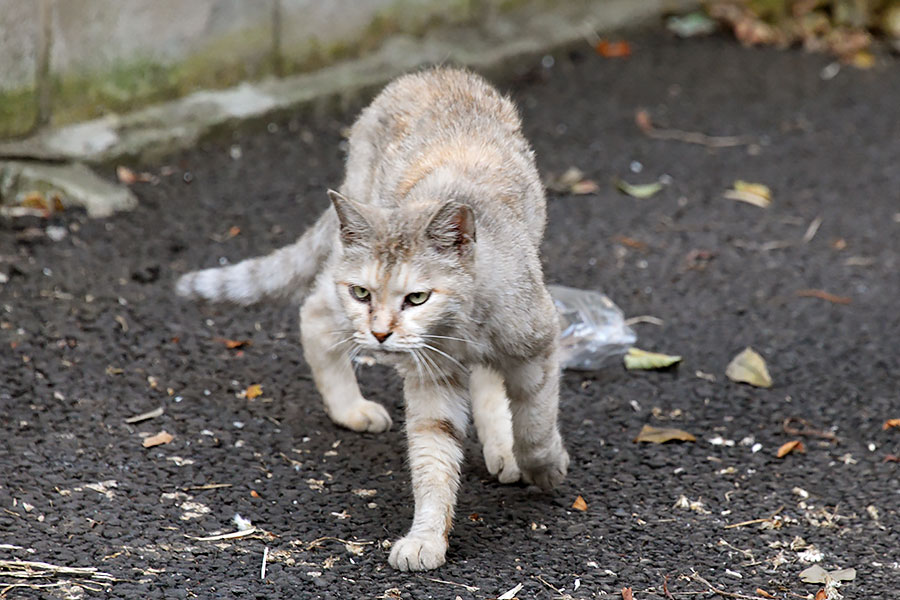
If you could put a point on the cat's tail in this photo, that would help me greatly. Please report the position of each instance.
(285, 274)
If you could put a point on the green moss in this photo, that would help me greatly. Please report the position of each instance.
(18, 111)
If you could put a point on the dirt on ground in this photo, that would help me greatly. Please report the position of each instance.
(92, 334)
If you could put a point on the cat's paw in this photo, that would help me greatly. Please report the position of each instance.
(363, 415)
(418, 552)
(501, 462)
(546, 467)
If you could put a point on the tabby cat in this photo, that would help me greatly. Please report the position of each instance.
(428, 259)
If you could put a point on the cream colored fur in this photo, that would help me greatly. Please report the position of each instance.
(428, 259)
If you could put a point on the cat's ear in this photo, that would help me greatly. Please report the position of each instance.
(452, 228)
(355, 228)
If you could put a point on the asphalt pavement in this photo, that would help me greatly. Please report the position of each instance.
(92, 334)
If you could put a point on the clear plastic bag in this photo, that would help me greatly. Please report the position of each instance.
(593, 329)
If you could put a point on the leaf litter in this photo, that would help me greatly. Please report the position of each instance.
(749, 367)
(661, 435)
(641, 190)
(756, 194)
(637, 359)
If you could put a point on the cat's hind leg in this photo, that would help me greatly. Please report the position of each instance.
(332, 371)
(493, 422)
(533, 388)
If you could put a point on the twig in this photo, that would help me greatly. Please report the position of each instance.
(208, 486)
(156, 412)
(644, 123)
(722, 593)
(823, 295)
(469, 588)
(808, 429)
(224, 536)
(666, 588)
(262, 571)
(319, 541)
(752, 521)
(812, 230)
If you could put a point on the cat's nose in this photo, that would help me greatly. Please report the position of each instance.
(382, 335)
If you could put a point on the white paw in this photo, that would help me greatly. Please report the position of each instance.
(418, 553)
(501, 462)
(363, 415)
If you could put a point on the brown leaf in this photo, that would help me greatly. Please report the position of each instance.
(579, 504)
(584, 187)
(232, 344)
(233, 231)
(890, 423)
(615, 49)
(792, 446)
(253, 391)
(163, 437)
(126, 175)
(254, 494)
(631, 242)
(891, 458)
(821, 594)
(627, 594)
(823, 295)
(661, 435)
(763, 593)
(643, 121)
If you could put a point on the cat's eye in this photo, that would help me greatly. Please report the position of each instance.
(417, 298)
(360, 293)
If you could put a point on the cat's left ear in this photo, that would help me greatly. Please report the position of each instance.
(452, 228)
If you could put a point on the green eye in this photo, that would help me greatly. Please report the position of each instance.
(360, 293)
(417, 298)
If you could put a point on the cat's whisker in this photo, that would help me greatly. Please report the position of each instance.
(339, 343)
(444, 354)
(447, 337)
(437, 369)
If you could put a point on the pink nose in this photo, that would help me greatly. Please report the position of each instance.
(381, 336)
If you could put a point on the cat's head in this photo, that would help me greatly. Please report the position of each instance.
(404, 274)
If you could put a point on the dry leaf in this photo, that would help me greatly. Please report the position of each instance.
(661, 435)
(863, 60)
(821, 595)
(816, 574)
(511, 593)
(163, 437)
(584, 187)
(749, 367)
(627, 594)
(763, 593)
(233, 231)
(572, 182)
(232, 344)
(253, 391)
(126, 175)
(792, 446)
(756, 194)
(643, 190)
(890, 423)
(637, 359)
(579, 504)
(608, 49)
(254, 494)
(643, 121)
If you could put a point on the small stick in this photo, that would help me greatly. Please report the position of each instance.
(722, 593)
(752, 521)
(808, 429)
(224, 536)
(469, 588)
(262, 571)
(666, 588)
(642, 119)
(208, 486)
(156, 412)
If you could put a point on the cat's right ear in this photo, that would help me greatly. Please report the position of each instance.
(354, 227)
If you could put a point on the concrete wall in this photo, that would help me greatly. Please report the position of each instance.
(113, 55)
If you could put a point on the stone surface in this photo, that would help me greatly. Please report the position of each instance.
(75, 184)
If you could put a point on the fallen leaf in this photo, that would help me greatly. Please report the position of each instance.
(792, 446)
(627, 594)
(163, 437)
(843, 574)
(584, 187)
(863, 60)
(763, 593)
(233, 231)
(661, 435)
(756, 194)
(511, 593)
(637, 359)
(691, 25)
(816, 574)
(821, 595)
(643, 190)
(643, 121)
(126, 175)
(254, 494)
(36, 201)
(631, 242)
(891, 458)
(579, 504)
(253, 391)
(823, 295)
(572, 182)
(232, 344)
(890, 423)
(614, 49)
(749, 367)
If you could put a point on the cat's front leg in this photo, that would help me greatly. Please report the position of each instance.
(493, 422)
(533, 388)
(436, 421)
(327, 355)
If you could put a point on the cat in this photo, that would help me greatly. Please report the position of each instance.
(428, 258)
